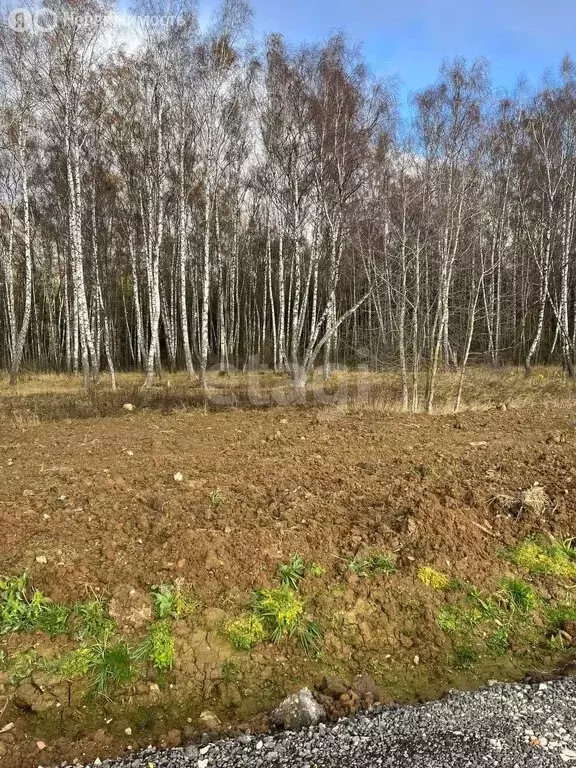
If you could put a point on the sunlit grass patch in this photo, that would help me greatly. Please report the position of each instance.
(280, 611)
(543, 558)
(104, 658)
(277, 614)
(21, 665)
(316, 570)
(245, 632)
(282, 614)
(433, 578)
(48, 616)
(159, 646)
(473, 609)
(14, 604)
(484, 606)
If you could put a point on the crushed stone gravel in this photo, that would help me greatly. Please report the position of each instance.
(507, 725)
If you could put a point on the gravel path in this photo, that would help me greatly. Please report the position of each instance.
(503, 725)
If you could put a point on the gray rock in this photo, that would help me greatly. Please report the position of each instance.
(298, 711)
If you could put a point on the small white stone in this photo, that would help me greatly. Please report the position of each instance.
(496, 743)
(202, 763)
(178, 477)
(205, 750)
(128, 731)
(260, 745)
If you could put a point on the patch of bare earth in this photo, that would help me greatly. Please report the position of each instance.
(92, 506)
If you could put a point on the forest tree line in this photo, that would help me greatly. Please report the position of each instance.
(187, 199)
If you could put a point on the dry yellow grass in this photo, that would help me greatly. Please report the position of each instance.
(484, 388)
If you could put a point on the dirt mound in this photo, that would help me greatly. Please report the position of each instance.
(92, 507)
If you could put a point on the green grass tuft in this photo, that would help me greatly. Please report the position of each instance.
(292, 573)
(453, 619)
(47, 616)
(246, 632)
(498, 641)
(516, 595)
(160, 646)
(558, 614)
(483, 607)
(111, 664)
(172, 602)
(22, 665)
(371, 565)
(216, 498)
(14, 605)
(20, 612)
(309, 635)
(280, 610)
(94, 620)
(466, 656)
(475, 608)
(229, 671)
(72, 665)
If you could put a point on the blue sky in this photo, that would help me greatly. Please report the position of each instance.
(409, 38)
